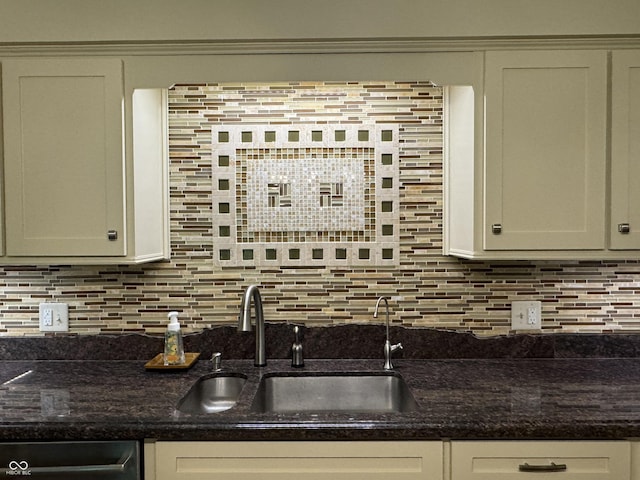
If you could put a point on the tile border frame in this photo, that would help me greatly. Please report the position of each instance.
(379, 244)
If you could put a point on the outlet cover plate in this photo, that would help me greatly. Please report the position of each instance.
(526, 315)
(54, 317)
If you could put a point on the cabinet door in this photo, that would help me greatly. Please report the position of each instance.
(1, 175)
(299, 460)
(545, 176)
(540, 459)
(63, 165)
(625, 151)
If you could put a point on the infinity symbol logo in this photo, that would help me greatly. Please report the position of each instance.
(13, 465)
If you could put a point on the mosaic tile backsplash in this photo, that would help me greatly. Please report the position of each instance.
(428, 289)
(305, 195)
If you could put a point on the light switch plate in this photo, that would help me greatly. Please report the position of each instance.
(526, 315)
(54, 317)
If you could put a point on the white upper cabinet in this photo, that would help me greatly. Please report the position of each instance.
(69, 192)
(1, 177)
(538, 159)
(545, 127)
(64, 161)
(625, 150)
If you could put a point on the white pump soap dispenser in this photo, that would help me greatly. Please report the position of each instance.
(173, 346)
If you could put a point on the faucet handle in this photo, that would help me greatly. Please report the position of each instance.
(297, 357)
(216, 361)
(388, 350)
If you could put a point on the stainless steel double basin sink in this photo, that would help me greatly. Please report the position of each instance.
(298, 392)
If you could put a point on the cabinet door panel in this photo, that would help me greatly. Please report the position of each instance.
(573, 460)
(63, 157)
(625, 151)
(545, 150)
(299, 460)
(2, 206)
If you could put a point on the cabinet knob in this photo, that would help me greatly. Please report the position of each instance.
(496, 228)
(624, 228)
(112, 235)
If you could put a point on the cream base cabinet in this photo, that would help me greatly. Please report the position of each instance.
(625, 150)
(70, 194)
(294, 460)
(570, 460)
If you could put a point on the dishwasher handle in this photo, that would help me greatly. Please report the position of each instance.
(111, 468)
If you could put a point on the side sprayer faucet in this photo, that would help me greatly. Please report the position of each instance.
(244, 322)
(388, 348)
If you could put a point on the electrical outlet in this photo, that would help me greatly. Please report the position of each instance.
(54, 317)
(526, 315)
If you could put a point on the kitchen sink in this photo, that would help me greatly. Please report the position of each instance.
(213, 393)
(331, 392)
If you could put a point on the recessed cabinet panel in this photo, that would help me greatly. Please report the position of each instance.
(299, 460)
(545, 184)
(1, 176)
(64, 163)
(571, 460)
(625, 151)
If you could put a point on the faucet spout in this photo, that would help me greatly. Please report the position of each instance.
(252, 295)
(388, 348)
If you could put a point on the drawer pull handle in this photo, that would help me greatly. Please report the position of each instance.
(496, 228)
(552, 467)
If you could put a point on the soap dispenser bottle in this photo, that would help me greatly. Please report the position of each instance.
(173, 346)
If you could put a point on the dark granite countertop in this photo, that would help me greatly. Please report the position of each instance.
(593, 398)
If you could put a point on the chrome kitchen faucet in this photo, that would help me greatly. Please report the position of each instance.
(244, 322)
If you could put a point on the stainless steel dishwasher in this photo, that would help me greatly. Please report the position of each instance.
(113, 460)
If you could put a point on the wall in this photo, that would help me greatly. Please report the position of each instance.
(258, 20)
(440, 292)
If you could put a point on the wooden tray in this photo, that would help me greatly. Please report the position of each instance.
(157, 362)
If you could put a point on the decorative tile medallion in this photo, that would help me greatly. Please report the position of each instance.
(306, 194)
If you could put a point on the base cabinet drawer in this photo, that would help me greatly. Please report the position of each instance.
(298, 460)
(562, 460)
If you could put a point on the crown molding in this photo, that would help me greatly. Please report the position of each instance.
(313, 46)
